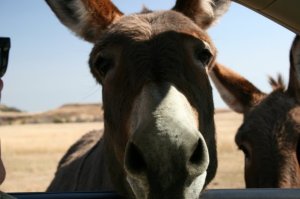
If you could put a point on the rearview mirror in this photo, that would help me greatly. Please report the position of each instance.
(4, 51)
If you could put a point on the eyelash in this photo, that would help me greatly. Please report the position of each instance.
(203, 55)
(103, 65)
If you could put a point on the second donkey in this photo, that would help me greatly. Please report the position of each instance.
(270, 133)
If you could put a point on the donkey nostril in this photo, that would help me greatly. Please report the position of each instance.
(199, 160)
(134, 161)
(198, 155)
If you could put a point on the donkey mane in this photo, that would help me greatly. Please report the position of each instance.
(277, 84)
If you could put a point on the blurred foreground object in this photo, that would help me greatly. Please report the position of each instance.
(4, 52)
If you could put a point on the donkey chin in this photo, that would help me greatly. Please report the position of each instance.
(140, 187)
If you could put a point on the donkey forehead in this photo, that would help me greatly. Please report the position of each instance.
(144, 26)
(271, 119)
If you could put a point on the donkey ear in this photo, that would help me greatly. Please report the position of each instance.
(237, 92)
(203, 12)
(294, 82)
(87, 18)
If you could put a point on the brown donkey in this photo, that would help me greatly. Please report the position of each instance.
(159, 136)
(270, 133)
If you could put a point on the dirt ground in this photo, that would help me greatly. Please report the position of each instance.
(31, 152)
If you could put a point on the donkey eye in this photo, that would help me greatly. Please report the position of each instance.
(203, 55)
(103, 65)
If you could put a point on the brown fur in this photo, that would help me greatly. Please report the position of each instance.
(103, 14)
(244, 92)
(159, 50)
(269, 135)
(76, 160)
(201, 14)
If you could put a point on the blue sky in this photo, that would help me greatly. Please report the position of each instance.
(48, 64)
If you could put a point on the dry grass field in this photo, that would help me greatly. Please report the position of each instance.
(31, 152)
(231, 161)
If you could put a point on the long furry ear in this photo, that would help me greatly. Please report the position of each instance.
(237, 92)
(203, 12)
(87, 18)
(294, 82)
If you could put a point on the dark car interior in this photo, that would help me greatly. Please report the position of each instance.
(284, 12)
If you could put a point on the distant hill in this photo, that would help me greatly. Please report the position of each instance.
(4, 108)
(69, 113)
(64, 114)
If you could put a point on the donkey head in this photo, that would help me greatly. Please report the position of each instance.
(270, 133)
(157, 100)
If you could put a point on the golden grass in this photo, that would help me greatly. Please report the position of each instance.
(31, 152)
(231, 161)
